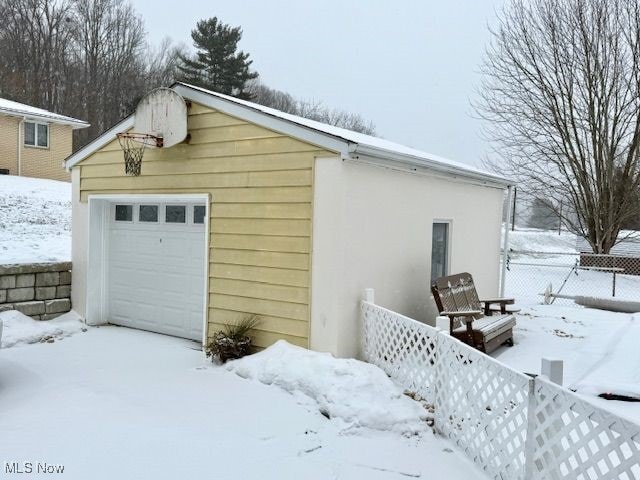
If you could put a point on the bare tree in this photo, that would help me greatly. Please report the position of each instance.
(35, 50)
(111, 42)
(562, 98)
(311, 109)
(84, 58)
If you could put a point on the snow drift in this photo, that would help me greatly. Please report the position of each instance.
(356, 392)
(19, 329)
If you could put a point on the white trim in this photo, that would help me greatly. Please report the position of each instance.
(99, 142)
(96, 300)
(419, 166)
(207, 250)
(159, 197)
(505, 240)
(271, 122)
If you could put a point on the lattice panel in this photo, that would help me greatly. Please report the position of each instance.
(576, 440)
(404, 348)
(482, 406)
(485, 407)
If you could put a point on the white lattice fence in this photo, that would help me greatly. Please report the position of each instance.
(402, 347)
(482, 406)
(574, 439)
(512, 426)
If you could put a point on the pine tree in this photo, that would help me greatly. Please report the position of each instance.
(217, 65)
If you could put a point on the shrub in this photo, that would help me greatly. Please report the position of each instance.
(233, 341)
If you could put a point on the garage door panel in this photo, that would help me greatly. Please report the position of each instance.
(156, 277)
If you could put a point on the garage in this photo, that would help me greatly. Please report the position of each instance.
(154, 270)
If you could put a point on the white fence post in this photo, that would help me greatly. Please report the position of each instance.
(552, 369)
(529, 446)
(369, 295)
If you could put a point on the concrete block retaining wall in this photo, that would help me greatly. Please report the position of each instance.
(39, 290)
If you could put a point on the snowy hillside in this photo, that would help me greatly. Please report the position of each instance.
(535, 240)
(35, 220)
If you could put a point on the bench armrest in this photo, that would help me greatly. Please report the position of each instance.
(499, 300)
(502, 301)
(464, 313)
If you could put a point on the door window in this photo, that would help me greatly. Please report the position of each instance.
(439, 250)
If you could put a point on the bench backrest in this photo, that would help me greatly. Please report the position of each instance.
(456, 293)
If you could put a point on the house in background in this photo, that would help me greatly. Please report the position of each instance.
(263, 212)
(34, 142)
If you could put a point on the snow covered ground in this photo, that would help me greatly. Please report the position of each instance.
(35, 220)
(529, 274)
(599, 350)
(119, 403)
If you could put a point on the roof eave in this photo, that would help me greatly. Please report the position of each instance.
(417, 164)
(98, 142)
(72, 122)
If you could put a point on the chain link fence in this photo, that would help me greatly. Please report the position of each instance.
(529, 274)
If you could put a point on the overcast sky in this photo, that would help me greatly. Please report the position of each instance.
(411, 67)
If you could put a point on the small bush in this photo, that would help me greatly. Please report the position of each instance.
(233, 341)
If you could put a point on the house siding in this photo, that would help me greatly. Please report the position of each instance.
(36, 162)
(261, 187)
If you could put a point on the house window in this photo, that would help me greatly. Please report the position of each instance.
(36, 134)
(175, 213)
(439, 250)
(124, 213)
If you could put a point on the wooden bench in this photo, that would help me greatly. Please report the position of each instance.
(471, 320)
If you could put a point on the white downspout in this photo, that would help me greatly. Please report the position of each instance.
(20, 130)
(505, 239)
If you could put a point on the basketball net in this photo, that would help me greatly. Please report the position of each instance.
(133, 146)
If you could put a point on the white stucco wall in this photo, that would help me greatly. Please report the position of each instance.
(79, 242)
(372, 228)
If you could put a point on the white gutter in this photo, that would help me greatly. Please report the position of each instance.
(416, 164)
(505, 240)
(38, 117)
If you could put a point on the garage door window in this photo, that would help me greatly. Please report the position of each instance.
(175, 214)
(148, 213)
(124, 213)
(198, 214)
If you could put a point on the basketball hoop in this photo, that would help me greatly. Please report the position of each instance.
(160, 121)
(133, 145)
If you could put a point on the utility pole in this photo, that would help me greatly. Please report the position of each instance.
(513, 218)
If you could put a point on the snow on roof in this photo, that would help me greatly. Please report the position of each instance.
(629, 246)
(9, 107)
(378, 144)
(350, 144)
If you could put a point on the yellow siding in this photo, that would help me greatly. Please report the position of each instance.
(36, 162)
(261, 188)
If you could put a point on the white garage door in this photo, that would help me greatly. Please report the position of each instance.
(156, 267)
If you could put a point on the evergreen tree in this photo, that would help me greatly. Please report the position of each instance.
(217, 65)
